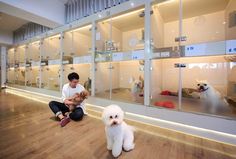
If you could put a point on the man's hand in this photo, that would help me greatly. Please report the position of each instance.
(68, 102)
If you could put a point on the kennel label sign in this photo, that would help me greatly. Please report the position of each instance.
(212, 48)
(87, 59)
(230, 46)
(84, 59)
(33, 63)
(138, 55)
(195, 50)
(54, 62)
(117, 56)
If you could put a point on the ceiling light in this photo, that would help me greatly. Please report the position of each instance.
(85, 27)
(124, 15)
(165, 2)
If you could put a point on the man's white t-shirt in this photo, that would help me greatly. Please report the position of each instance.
(68, 91)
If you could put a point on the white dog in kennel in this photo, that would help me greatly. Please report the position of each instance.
(119, 135)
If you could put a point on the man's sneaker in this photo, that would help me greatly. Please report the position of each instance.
(64, 121)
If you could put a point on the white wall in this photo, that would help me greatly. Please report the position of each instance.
(198, 29)
(6, 37)
(45, 12)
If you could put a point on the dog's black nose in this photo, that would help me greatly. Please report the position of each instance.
(114, 123)
(201, 87)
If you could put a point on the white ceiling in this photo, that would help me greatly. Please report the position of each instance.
(10, 23)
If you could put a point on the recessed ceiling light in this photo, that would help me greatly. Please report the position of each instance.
(132, 4)
(99, 15)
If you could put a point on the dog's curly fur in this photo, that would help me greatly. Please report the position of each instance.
(119, 135)
(78, 98)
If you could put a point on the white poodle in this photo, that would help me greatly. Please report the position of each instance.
(119, 134)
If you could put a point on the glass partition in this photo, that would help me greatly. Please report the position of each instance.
(193, 66)
(32, 76)
(51, 77)
(78, 42)
(11, 57)
(20, 55)
(51, 48)
(210, 87)
(165, 51)
(33, 52)
(119, 57)
(11, 75)
(20, 76)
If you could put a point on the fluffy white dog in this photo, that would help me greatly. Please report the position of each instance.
(210, 94)
(119, 134)
(137, 86)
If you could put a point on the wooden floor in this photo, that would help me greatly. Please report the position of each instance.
(28, 130)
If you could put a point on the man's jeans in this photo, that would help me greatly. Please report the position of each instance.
(60, 108)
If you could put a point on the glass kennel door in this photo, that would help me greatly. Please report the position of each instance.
(103, 84)
(20, 54)
(166, 50)
(33, 52)
(10, 75)
(78, 42)
(51, 48)
(51, 77)
(207, 77)
(32, 76)
(128, 81)
(11, 57)
(116, 36)
(20, 76)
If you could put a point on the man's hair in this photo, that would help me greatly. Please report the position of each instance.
(73, 76)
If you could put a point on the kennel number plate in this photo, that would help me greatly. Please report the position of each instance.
(117, 56)
(83, 59)
(33, 63)
(138, 55)
(212, 48)
(231, 46)
(54, 62)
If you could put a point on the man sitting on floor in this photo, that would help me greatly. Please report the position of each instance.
(62, 110)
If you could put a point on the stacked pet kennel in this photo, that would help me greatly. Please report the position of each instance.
(77, 9)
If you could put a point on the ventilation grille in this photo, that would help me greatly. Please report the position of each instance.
(27, 31)
(77, 9)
